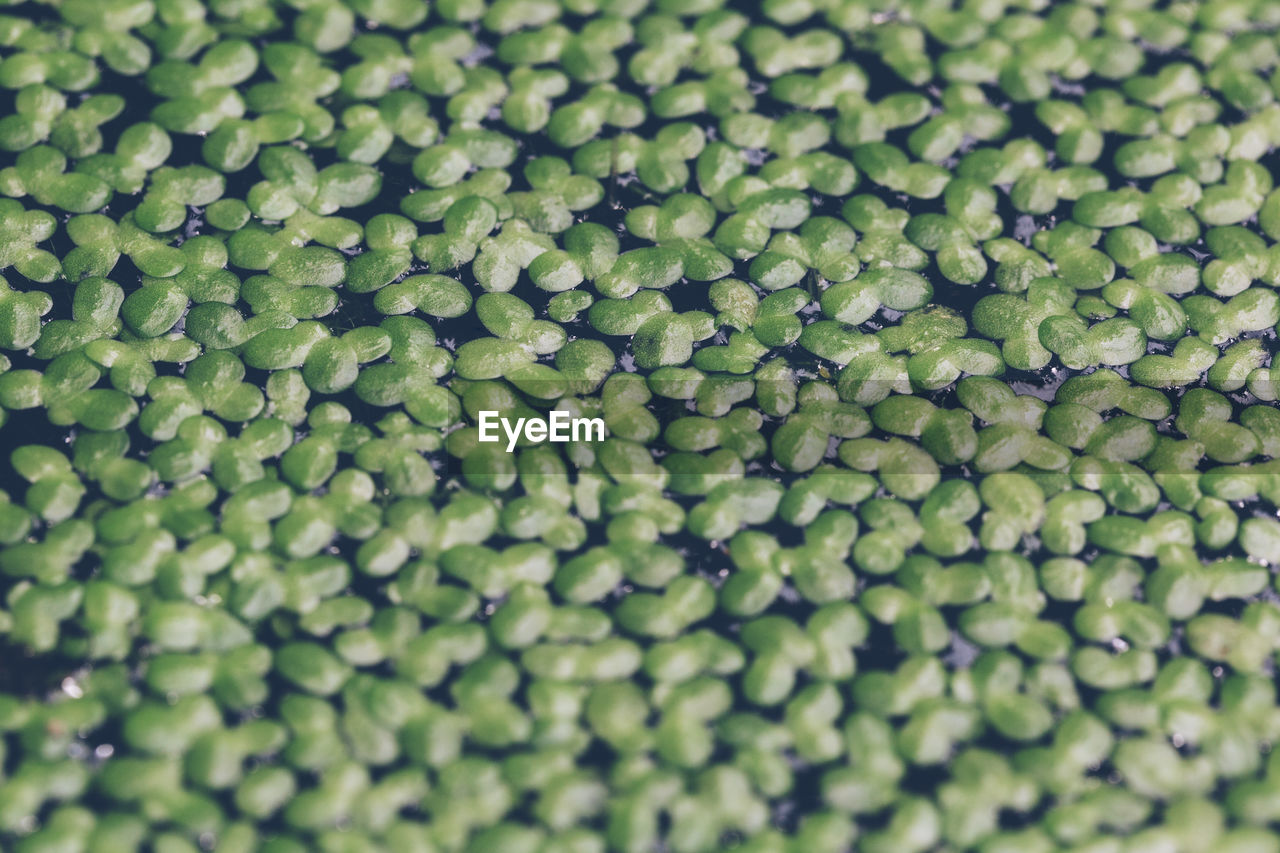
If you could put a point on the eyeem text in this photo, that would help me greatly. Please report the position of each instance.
(558, 426)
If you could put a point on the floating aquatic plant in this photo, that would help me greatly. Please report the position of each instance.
(938, 503)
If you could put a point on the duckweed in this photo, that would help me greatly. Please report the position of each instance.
(937, 503)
